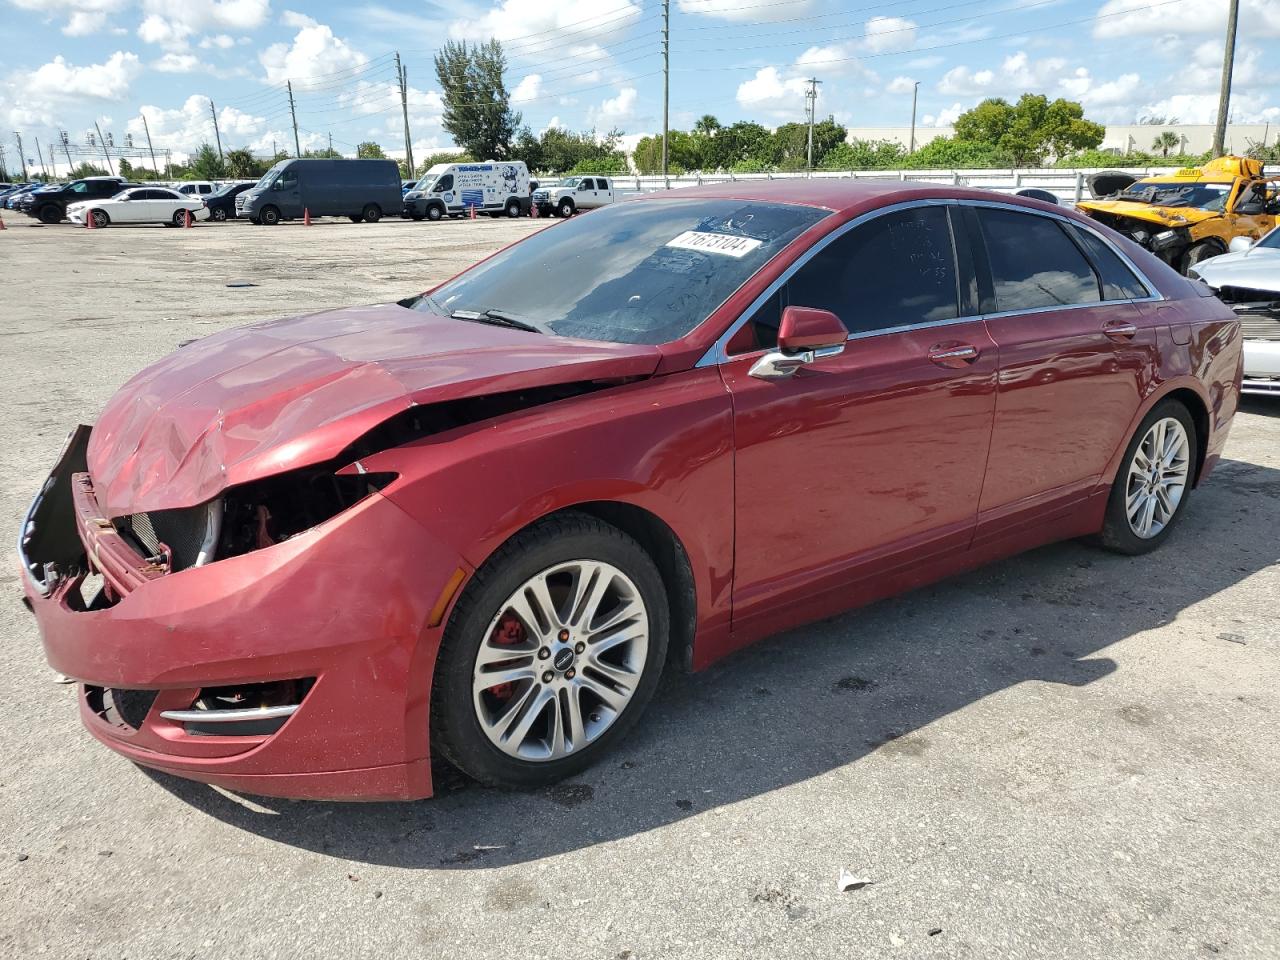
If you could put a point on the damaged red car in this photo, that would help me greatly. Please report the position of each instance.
(304, 557)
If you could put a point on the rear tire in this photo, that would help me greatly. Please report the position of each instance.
(180, 218)
(49, 215)
(463, 730)
(372, 213)
(1128, 528)
(269, 216)
(218, 215)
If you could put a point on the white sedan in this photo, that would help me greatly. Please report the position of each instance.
(140, 205)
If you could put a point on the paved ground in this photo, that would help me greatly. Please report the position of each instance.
(1066, 754)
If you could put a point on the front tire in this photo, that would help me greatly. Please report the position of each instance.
(1199, 253)
(434, 213)
(513, 208)
(100, 219)
(551, 654)
(1153, 483)
(565, 209)
(269, 216)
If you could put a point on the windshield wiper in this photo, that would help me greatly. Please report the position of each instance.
(500, 318)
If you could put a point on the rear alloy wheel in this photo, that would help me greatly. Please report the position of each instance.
(218, 215)
(180, 218)
(1153, 483)
(551, 655)
(100, 219)
(372, 213)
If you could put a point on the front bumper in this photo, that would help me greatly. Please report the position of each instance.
(1261, 366)
(348, 603)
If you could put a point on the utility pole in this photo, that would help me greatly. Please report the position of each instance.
(155, 166)
(811, 104)
(66, 148)
(213, 112)
(4, 168)
(22, 157)
(330, 141)
(666, 79)
(293, 112)
(403, 74)
(1224, 96)
(915, 92)
(105, 152)
(40, 154)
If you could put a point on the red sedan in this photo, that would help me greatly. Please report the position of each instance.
(300, 557)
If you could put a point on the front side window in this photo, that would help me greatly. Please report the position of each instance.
(80, 187)
(288, 179)
(646, 271)
(1034, 264)
(443, 184)
(896, 270)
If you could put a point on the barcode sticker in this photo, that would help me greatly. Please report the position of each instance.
(722, 243)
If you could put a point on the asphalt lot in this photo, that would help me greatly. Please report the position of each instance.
(1065, 754)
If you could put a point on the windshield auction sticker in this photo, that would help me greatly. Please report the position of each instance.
(722, 243)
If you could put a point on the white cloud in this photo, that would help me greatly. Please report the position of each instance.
(615, 111)
(83, 23)
(59, 81)
(170, 23)
(313, 54)
(962, 81)
(884, 34)
(184, 129)
(291, 18)
(770, 92)
(737, 10)
(221, 41)
(1132, 18)
(527, 89)
(944, 118)
(901, 85)
(1203, 108)
(176, 63)
(533, 31)
(84, 17)
(164, 33)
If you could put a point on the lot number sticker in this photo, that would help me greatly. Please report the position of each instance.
(722, 243)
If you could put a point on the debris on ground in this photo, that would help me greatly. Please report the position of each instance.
(848, 881)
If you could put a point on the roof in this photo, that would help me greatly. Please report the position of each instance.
(835, 193)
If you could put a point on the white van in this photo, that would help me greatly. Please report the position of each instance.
(495, 187)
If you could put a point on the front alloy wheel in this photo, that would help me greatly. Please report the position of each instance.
(561, 660)
(551, 653)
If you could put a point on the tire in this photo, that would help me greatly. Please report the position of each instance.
(218, 215)
(359, 219)
(512, 208)
(372, 213)
(1200, 252)
(554, 547)
(565, 208)
(179, 218)
(269, 216)
(434, 213)
(1119, 533)
(100, 219)
(49, 214)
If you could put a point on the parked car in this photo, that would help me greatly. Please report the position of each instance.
(197, 188)
(16, 199)
(358, 189)
(498, 188)
(476, 524)
(1248, 280)
(140, 205)
(50, 206)
(222, 203)
(574, 194)
(1192, 215)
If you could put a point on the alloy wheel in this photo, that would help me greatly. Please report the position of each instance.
(561, 660)
(1158, 475)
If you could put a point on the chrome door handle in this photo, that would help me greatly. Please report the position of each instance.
(954, 356)
(1120, 330)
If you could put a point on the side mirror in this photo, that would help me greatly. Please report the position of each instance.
(805, 336)
(1240, 244)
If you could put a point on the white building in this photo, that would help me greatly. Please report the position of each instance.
(1120, 138)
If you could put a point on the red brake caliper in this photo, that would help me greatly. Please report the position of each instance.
(509, 632)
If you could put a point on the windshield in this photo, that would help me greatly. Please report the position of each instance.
(229, 188)
(1271, 241)
(269, 177)
(646, 271)
(1202, 196)
(571, 182)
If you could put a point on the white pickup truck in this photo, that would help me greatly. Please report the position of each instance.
(574, 194)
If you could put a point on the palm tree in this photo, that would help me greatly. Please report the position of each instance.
(707, 125)
(241, 165)
(1166, 142)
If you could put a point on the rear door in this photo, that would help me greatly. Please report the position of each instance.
(873, 459)
(1074, 354)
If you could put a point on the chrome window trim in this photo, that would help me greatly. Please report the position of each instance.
(717, 353)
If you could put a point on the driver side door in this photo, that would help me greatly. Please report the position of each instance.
(862, 464)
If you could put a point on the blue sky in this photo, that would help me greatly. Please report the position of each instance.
(65, 64)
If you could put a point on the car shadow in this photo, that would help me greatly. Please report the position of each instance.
(1260, 405)
(812, 700)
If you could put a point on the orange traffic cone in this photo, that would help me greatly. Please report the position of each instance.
(188, 219)
(2, 226)
(88, 220)
(472, 208)
(306, 216)
(533, 210)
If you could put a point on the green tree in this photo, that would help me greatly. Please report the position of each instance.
(954, 153)
(791, 143)
(707, 125)
(242, 165)
(1025, 132)
(324, 153)
(743, 142)
(477, 106)
(369, 151)
(444, 156)
(1165, 142)
(864, 155)
(125, 168)
(206, 165)
(82, 170)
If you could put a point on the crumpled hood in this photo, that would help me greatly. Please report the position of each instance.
(258, 400)
(1257, 268)
(1164, 216)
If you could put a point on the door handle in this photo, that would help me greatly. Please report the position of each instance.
(953, 355)
(1120, 330)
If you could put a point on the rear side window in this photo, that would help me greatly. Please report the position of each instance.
(1034, 264)
(893, 271)
(1118, 281)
